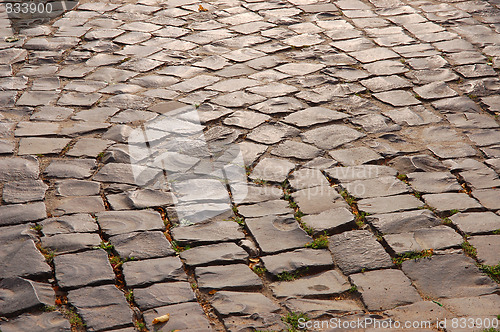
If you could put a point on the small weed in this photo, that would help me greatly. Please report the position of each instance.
(452, 212)
(239, 220)
(259, 270)
(287, 276)
(105, 245)
(292, 319)
(47, 253)
(37, 227)
(472, 96)
(412, 255)
(129, 295)
(469, 249)
(492, 271)
(402, 177)
(140, 326)
(194, 286)
(74, 318)
(491, 329)
(447, 221)
(360, 218)
(298, 215)
(49, 308)
(348, 198)
(234, 209)
(417, 194)
(100, 155)
(293, 205)
(260, 182)
(306, 228)
(416, 95)
(178, 248)
(116, 262)
(497, 232)
(353, 289)
(321, 242)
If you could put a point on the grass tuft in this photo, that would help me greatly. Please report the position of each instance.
(321, 242)
(412, 255)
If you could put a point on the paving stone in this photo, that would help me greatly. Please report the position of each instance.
(432, 75)
(422, 162)
(473, 306)
(24, 191)
(433, 182)
(458, 150)
(258, 194)
(178, 318)
(242, 303)
(101, 308)
(141, 245)
(83, 269)
(216, 277)
(448, 276)
(330, 137)
(246, 119)
(351, 173)
(272, 133)
(358, 250)
(402, 222)
(37, 98)
(278, 105)
(37, 145)
(389, 204)
(299, 68)
(315, 309)
(439, 237)
(277, 233)
(67, 243)
(39, 322)
(72, 168)
(318, 199)
(294, 149)
(378, 187)
(12, 253)
(355, 156)
(296, 260)
(488, 198)
(76, 223)
(77, 188)
(313, 115)
(456, 105)
(330, 221)
(471, 120)
(78, 204)
(208, 232)
(397, 98)
(274, 207)
(435, 90)
(481, 178)
(385, 83)
(374, 286)
(307, 178)
(149, 271)
(451, 201)
(20, 294)
(123, 173)
(272, 169)
(22, 213)
(88, 147)
(163, 294)
(214, 254)
(324, 284)
(424, 310)
(487, 248)
(52, 113)
(122, 222)
(36, 129)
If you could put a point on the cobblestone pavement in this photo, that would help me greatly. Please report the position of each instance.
(370, 135)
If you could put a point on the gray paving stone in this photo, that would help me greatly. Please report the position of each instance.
(22, 213)
(448, 276)
(378, 187)
(488, 198)
(402, 222)
(122, 222)
(77, 188)
(42, 146)
(351, 173)
(68, 243)
(294, 149)
(162, 294)
(487, 248)
(433, 182)
(214, 254)
(78, 204)
(71, 168)
(451, 201)
(272, 169)
(141, 245)
(330, 221)
(385, 83)
(374, 286)
(458, 150)
(76, 223)
(37, 98)
(355, 156)
(21, 294)
(410, 164)
(358, 250)
(178, 313)
(39, 322)
(101, 308)
(435, 90)
(473, 306)
(397, 98)
(476, 223)
(258, 194)
(26, 251)
(208, 232)
(217, 277)
(314, 115)
(246, 119)
(83, 269)
(257, 321)
(389, 204)
(315, 309)
(307, 178)
(318, 199)
(242, 303)
(437, 238)
(52, 113)
(330, 283)
(24, 191)
(277, 233)
(481, 179)
(36, 129)
(296, 260)
(425, 310)
(330, 137)
(149, 271)
(272, 133)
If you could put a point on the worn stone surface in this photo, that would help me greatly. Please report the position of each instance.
(46, 321)
(448, 276)
(214, 254)
(12, 253)
(358, 250)
(210, 232)
(162, 294)
(183, 316)
(476, 222)
(146, 272)
(439, 237)
(19, 294)
(451, 201)
(228, 277)
(242, 303)
(141, 245)
(487, 248)
(323, 284)
(296, 260)
(401, 222)
(121, 222)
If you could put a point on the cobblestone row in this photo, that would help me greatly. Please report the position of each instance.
(369, 135)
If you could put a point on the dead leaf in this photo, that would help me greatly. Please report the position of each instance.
(161, 319)
(202, 9)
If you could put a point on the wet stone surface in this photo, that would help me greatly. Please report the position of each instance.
(190, 158)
